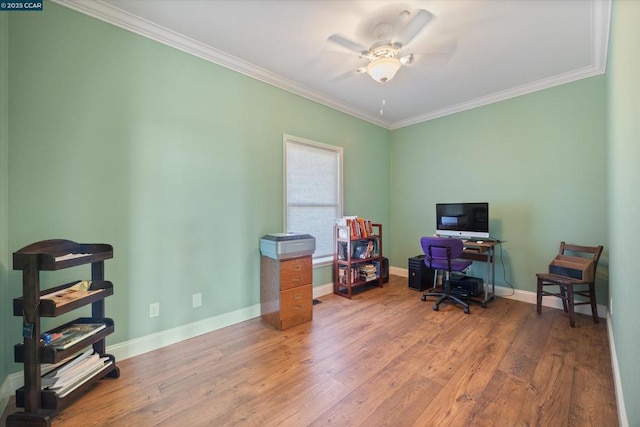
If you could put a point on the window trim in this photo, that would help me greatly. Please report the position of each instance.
(286, 139)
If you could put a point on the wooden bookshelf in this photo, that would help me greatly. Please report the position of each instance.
(355, 252)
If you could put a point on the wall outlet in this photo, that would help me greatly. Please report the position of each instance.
(196, 300)
(154, 309)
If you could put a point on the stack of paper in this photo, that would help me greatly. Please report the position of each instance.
(70, 376)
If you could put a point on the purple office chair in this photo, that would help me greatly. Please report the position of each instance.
(441, 253)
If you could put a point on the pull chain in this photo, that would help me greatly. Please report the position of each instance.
(383, 101)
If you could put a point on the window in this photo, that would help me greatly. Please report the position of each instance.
(313, 192)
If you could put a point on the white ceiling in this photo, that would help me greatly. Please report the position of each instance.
(473, 52)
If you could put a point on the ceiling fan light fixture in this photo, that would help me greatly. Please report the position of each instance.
(383, 69)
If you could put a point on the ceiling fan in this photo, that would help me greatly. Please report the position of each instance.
(392, 34)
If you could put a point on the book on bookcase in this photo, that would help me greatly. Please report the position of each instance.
(359, 228)
(64, 338)
(347, 274)
(74, 373)
(362, 227)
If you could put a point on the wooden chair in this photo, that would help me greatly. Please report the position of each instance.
(573, 270)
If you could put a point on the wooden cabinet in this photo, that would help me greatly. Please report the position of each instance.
(51, 255)
(356, 262)
(286, 291)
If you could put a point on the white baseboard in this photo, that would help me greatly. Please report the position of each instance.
(137, 346)
(322, 290)
(158, 340)
(396, 271)
(6, 390)
(623, 421)
(603, 312)
(524, 296)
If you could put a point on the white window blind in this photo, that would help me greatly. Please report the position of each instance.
(313, 192)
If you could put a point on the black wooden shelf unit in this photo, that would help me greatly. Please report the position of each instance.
(39, 402)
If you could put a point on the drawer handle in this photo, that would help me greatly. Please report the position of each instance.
(298, 267)
(297, 307)
(297, 296)
(295, 279)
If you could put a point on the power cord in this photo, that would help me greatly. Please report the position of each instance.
(504, 270)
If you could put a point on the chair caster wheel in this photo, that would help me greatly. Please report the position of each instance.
(436, 307)
(423, 297)
(466, 311)
(483, 305)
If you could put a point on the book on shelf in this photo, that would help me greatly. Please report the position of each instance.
(376, 264)
(342, 250)
(342, 233)
(347, 274)
(342, 275)
(358, 250)
(369, 250)
(70, 294)
(70, 376)
(46, 368)
(359, 228)
(351, 221)
(364, 250)
(369, 227)
(72, 334)
(68, 370)
(367, 272)
(353, 229)
(105, 362)
(363, 228)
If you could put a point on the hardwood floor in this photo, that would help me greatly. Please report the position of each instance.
(384, 358)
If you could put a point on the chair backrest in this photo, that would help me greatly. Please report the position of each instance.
(436, 247)
(589, 252)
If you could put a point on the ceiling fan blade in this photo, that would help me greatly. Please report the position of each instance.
(345, 76)
(353, 73)
(437, 59)
(416, 25)
(447, 47)
(351, 45)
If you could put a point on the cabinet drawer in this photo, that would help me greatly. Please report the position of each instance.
(296, 306)
(295, 272)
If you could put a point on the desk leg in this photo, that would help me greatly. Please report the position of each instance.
(491, 272)
(486, 283)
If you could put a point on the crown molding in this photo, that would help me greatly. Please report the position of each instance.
(120, 18)
(501, 96)
(601, 14)
(600, 23)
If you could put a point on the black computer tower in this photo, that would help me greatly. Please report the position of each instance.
(420, 276)
(385, 270)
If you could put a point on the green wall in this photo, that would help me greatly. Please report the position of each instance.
(175, 161)
(540, 162)
(624, 198)
(5, 256)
